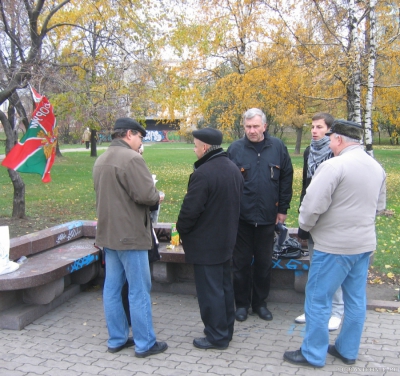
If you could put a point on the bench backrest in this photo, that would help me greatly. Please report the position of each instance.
(30, 244)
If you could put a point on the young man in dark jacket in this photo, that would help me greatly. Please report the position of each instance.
(207, 225)
(314, 155)
(268, 175)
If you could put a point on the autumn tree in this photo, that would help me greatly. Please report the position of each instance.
(113, 60)
(353, 38)
(24, 28)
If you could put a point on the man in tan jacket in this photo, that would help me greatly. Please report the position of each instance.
(124, 192)
(86, 137)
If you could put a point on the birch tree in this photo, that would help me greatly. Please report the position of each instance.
(371, 76)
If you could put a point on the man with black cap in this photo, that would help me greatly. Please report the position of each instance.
(339, 210)
(124, 192)
(207, 224)
(268, 175)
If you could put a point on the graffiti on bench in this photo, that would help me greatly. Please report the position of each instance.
(291, 265)
(82, 262)
(71, 234)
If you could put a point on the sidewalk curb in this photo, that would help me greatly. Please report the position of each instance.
(385, 304)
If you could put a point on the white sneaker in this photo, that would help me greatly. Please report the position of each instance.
(300, 319)
(334, 323)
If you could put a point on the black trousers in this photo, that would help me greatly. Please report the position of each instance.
(216, 301)
(252, 265)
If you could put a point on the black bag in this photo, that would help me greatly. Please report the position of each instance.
(290, 249)
(153, 252)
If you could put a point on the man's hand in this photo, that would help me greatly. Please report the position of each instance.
(280, 218)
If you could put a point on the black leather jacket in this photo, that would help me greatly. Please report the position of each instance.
(268, 178)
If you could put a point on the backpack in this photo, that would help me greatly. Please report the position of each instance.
(290, 249)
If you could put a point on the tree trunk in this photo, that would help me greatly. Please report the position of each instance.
(299, 135)
(58, 151)
(93, 143)
(354, 55)
(371, 78)
(19, 194)
(18, 184)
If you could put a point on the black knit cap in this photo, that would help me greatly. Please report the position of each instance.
(346, 128)
(210, 136)
(128, 123)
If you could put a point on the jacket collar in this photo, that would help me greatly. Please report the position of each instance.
(208, 156)
(120, 142)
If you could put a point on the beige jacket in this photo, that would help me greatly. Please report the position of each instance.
(341, 203)
(124, 191)
(86, 136)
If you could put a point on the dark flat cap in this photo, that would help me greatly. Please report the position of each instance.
(209, 136)
(346, 128)
(128, 123)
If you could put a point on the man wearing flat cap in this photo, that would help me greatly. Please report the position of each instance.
(124, 192)
(339, 210)
(207, 224)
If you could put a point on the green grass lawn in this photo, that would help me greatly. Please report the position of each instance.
(70, 195)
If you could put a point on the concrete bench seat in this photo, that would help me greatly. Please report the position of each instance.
(63, 258)
(59, 260)
(172, 274)
(47, 266)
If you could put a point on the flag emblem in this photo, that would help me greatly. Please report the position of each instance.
(35, 152)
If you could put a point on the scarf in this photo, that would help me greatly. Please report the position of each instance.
(319, 152)
(213, 151)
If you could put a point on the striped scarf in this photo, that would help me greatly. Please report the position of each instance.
(319, 152)
(212, 148)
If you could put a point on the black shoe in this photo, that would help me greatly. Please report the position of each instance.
(264, 313)
(241, 314)
(296, 357)
(332, 350)
(129, 343)
(203, 343)
(157, 348)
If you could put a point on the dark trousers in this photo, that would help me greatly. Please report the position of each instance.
(216, 301)
(252, 276)
(87, 144)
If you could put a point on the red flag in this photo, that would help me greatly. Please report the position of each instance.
(35, 152)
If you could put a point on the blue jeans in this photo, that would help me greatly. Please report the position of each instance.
(132, 266)
(328, 272)
(337, 298)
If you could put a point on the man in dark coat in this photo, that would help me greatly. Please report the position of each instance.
(268, 175)
(207, 225)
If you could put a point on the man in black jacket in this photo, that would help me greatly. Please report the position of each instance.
(268, 175)
(207, 225)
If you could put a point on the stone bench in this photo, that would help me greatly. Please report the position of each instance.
(59, 260)
(172, 274)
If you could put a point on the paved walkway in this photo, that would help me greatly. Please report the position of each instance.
(71, 341)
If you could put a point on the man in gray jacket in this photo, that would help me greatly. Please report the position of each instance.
(124, 192)
(339, 210)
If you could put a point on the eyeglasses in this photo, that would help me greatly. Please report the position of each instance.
(136, 133)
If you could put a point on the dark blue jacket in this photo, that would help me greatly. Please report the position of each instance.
(209, 216)
(268, 178)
